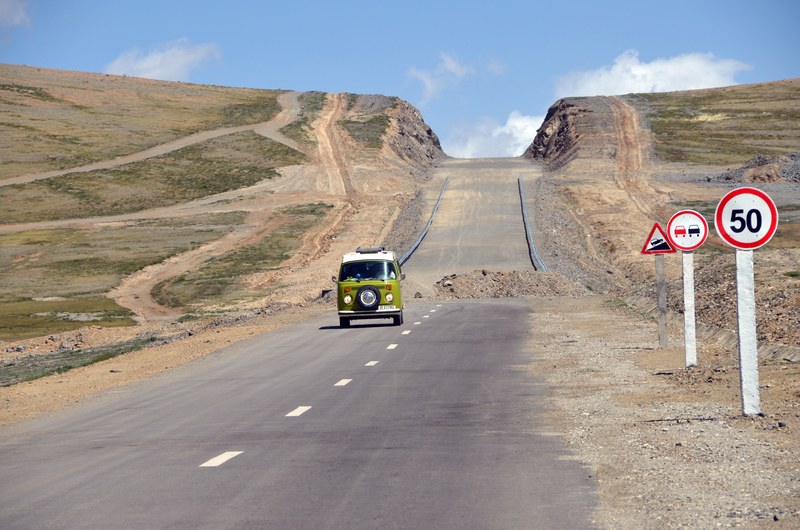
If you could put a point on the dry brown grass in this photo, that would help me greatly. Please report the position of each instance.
(52, 119)
(726, 126)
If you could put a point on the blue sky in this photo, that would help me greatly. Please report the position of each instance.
(483, 74)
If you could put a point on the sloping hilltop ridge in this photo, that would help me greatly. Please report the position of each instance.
(713, 127)
(619, 164)
(132, 199)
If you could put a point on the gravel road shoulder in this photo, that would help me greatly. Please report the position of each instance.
(668, 447)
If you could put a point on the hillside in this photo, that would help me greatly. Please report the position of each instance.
(619, 164)
(130, 199)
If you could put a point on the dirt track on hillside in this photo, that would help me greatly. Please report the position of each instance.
(634, 148)
(329, 185)
(135, 291)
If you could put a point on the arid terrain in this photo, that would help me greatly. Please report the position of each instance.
(119, 239)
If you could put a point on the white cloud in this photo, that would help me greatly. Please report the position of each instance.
(173, 61)
(13, 12)
(491, 139)
(629, 74)
(448, 73)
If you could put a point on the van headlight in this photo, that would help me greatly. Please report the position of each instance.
(348, 299)
(389, 297)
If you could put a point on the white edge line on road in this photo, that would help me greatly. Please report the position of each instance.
(221, 459)
(343, 382)
(407, 332)
(371, 363)
(299, 411)
(391, 346)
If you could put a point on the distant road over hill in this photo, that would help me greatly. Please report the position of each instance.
(479, 223)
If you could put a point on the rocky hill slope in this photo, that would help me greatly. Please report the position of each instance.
(616, 197)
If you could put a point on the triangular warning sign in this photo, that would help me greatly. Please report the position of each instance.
(657, 242)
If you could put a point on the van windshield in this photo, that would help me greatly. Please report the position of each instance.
(367, 270)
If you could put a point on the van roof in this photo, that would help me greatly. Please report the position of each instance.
(368, 254)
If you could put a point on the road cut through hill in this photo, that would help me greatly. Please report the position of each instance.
(479, 223)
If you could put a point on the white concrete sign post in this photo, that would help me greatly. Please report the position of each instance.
(687, 230)
(746, 219)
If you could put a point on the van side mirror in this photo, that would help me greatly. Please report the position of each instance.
(402, 275)
(333, 278)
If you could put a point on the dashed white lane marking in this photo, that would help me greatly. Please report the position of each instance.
(299, 411)
(221, 459)
(371, 363)
(438, 305)
(391, 346)
(407, 332)
(426, 316)
(417, 323)
(343, 382)
(432, 310)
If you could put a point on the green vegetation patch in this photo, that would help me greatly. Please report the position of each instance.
(34, 92)
(51, 279)
(262, 107)
(726, 126)
(219, 165)
(369, 132)
(311, 104)
(222, 279)
(33, 367)
(33, 318)
(72, 263)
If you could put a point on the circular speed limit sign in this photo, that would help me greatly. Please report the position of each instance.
(746, 218)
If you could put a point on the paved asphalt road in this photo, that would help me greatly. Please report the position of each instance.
(433, 424)
(479, 222)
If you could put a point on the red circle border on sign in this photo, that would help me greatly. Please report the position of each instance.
(680, 247)
(727, 238)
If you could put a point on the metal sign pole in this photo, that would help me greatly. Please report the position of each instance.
(748, 349)
(689, 338)
(661, 288)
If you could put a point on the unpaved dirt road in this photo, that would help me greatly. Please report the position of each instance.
(270, 129)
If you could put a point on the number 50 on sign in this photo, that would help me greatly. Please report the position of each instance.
(746, 218)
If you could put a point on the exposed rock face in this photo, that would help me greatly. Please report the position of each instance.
(556, 139)
(576, 128)
(410, 138)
